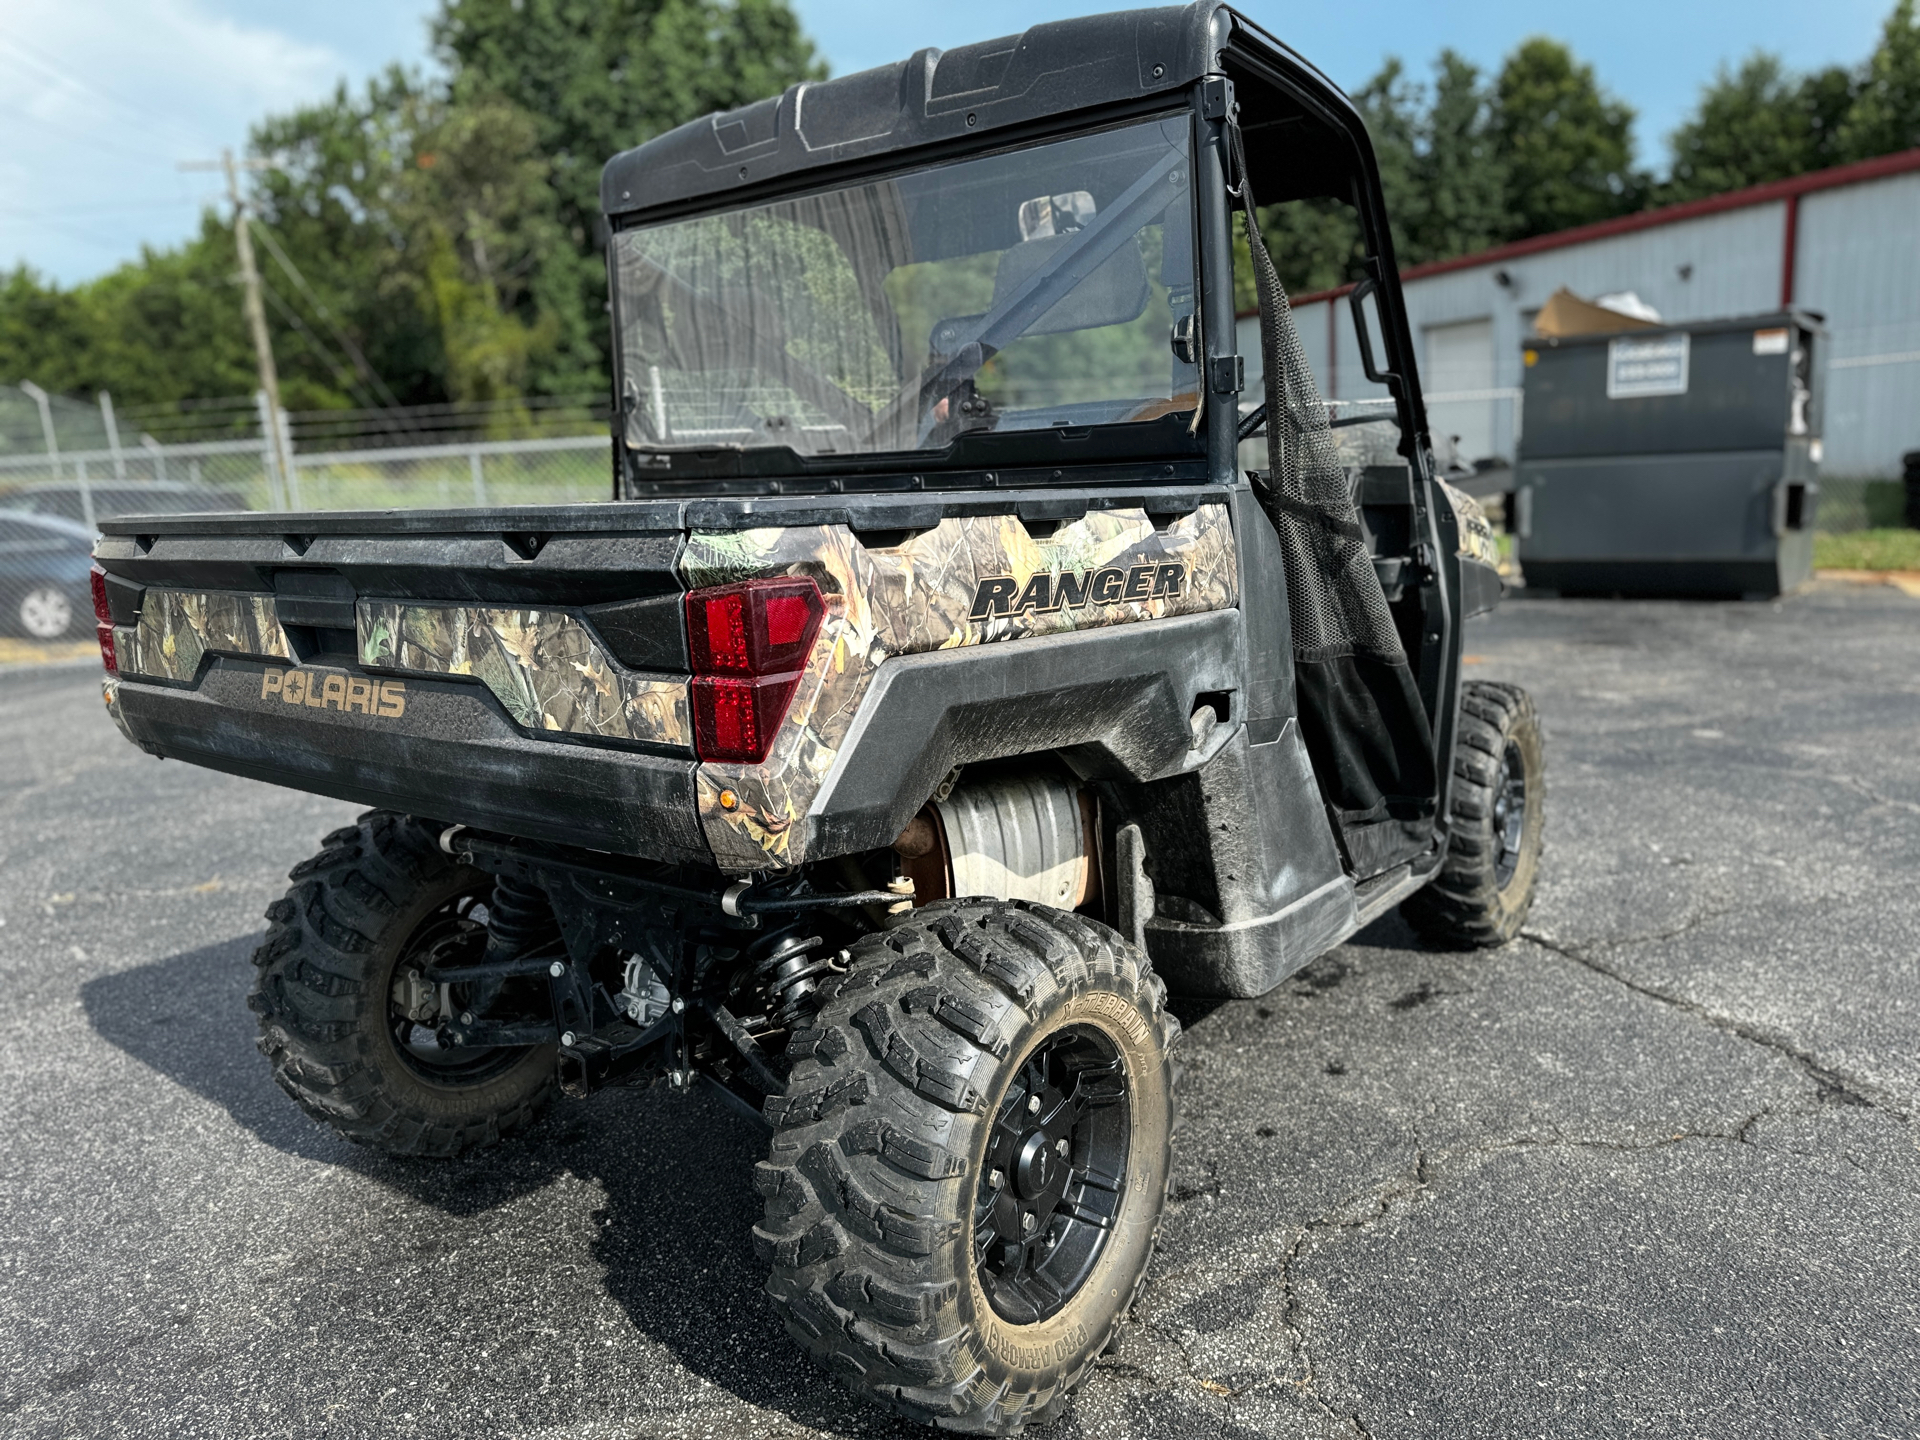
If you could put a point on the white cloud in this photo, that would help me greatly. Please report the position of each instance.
(100, 100)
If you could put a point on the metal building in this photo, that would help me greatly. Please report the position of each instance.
(1843, 242)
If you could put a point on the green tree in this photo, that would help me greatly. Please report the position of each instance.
(1749, 127)
(1565, 145)
(327, 204)
(1458, 175)
(1759, 123)
(427, 225)
(445, 234)
(1762, 122)
(1885, 115)
(598, 77)
(476, 207)
(1440, 173)
(1394, 107)
(1826, 99)
(164, 327)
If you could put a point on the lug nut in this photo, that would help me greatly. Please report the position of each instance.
(567, 1038)
(556, 970)
(1064, 1148)
(678, 1005)
(466, 1017)
(1026, 1222)
(678, 1078)
(1033, 1104)
(996, 1180)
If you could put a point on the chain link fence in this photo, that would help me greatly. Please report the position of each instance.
(61, 457)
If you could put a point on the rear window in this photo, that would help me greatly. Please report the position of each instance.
(1030, 289)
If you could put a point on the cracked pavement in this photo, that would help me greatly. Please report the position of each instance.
(1651, 1170)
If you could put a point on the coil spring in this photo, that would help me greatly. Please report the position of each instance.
(788, 974)
(520, 919)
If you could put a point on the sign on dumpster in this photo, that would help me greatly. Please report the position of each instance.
(1637, 367)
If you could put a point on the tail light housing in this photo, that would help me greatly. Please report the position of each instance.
(749, 643)
(103, 620)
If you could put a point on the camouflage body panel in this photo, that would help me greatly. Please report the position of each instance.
(544, 666)
(1476, 534)
(178, 627)
(917, 597)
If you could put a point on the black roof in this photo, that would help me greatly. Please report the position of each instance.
(1053, 69)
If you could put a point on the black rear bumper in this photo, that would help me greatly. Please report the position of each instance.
(452, 755)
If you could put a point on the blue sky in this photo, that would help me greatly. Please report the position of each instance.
(99, 100)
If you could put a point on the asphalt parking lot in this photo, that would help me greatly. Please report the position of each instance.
(1650, 1171)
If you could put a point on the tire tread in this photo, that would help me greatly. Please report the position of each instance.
(861, 1255)
(314, 983)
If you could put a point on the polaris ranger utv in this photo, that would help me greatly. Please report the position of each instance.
(936, 691)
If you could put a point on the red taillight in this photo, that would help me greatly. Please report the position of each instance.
(103, 621)
(759, 627)
(748, 643)
(736, 719)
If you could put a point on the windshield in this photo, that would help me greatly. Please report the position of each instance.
(1036, 288)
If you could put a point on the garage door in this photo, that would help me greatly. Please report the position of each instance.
(1459, 360)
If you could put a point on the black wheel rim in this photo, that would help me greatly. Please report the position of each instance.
(1055, 1173)
(455, 933)
(1509, 814)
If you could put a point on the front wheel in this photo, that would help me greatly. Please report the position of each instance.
(1497, 824)
(970, 1160)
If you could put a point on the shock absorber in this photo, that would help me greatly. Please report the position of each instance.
(520, 919)
(788, 973)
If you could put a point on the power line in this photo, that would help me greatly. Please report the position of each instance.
(360, 363)
(343, 374)
(35, 59)
(77, 211)
(79, 137)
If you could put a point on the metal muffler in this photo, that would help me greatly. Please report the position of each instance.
(1016, 837)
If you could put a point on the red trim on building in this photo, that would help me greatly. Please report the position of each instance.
(1901, 162)
(1789, 249)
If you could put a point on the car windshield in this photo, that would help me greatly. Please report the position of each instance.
(1034, 288)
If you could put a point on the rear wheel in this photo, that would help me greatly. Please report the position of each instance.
(347, 1018)
(970, 1160)
(1497, 817)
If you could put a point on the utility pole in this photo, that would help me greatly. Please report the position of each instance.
(276, 436)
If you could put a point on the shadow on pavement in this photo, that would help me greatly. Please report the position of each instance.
(675, 1239)
(187, 1018)
(1389, 932)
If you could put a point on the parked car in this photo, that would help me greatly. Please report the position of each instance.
(44, 562)
(120, 497)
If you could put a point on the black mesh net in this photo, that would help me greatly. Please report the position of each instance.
(1338, 605)
(1360, 710)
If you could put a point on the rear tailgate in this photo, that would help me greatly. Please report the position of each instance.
(522, 671)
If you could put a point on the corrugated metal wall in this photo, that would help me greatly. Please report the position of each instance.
(1857, 261)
